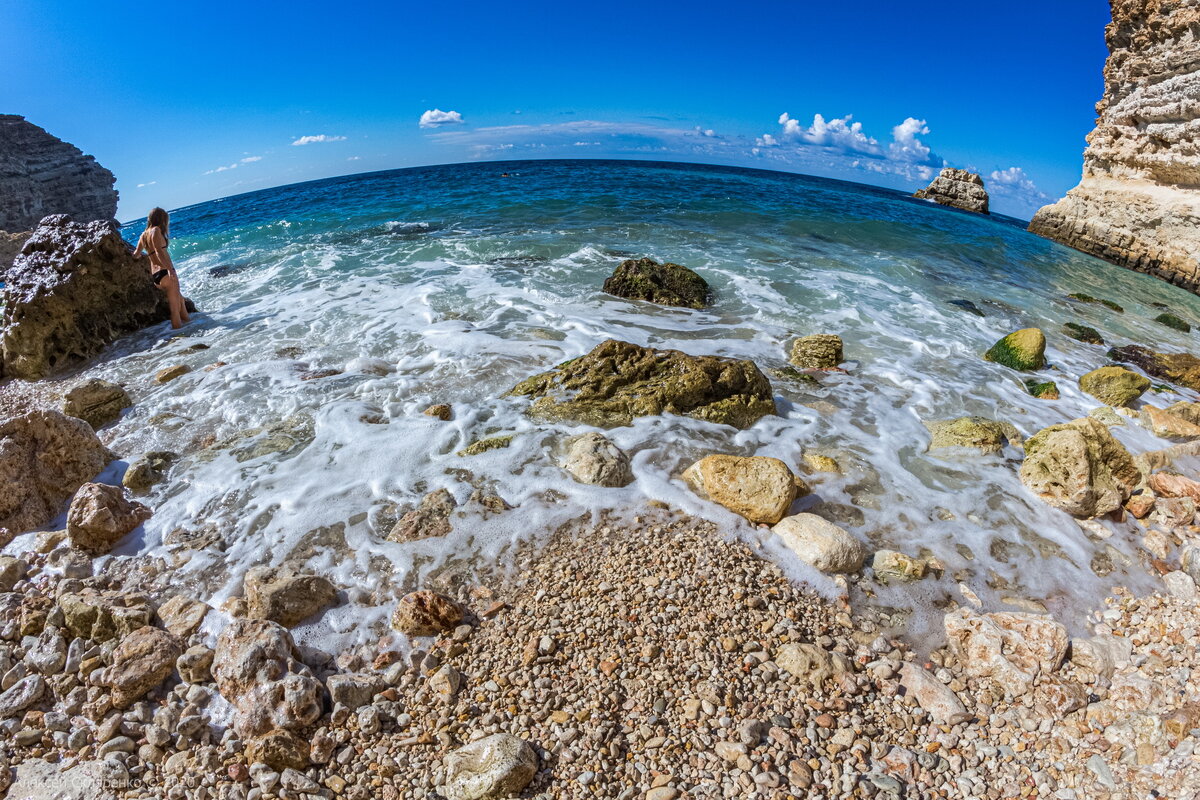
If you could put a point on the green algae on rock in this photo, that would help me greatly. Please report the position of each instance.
(1114, 386)
(618, 381)
(1042, 390)
(793, 375)
(1020, 350)
(985, 434)
(1082, 333)
(1087, 298)
(484, 445)
(1180, 368)
(818, 351)
(1172, 321)
(1080, 468)
(666, 284)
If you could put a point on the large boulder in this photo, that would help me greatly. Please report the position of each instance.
(1011, 648)
(1021, 350)
(101, 515)
(44, 457)
(666, 284)
(1080, 468)
(1180, 368)
(618, 381)
(500, 765)
(142, 661)
(818, 351)
(977, 432)
(74, 288)
(958, 188)
(96, 402)
(821, 544)
(593, 458)
(1114, 386)
(283, 595)
(758, 488)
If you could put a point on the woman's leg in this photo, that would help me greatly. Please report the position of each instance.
(183, 312)
(171, 286)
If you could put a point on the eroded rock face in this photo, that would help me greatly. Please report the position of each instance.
(426, 613)
(499, 765)
(40, 174)
(978, 432)
(430, 518)
(666, 284)
(1137, 204)
(958, 188)
(74, 288)
(100, 516)
(44, 457)
(758, 488)
(818, 351)
(618, 381)
(1011, 648)
(1080, 468)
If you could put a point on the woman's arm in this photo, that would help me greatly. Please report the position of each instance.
(137, 252)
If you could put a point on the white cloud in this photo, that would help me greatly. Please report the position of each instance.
(1014, 177)
(905, 145)
(316, 139)
(587, 144)
(224, 168)
(435, 117)
(839, 133)
(354, 158)
(144, 185)
(709, 132)
(251, 159)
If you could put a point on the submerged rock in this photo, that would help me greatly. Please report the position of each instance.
(1087, 298)
(148, 470)
(968, 306)
(45, 456)
(618, 381)
(440, 411)
(891, 566)
(100, 516)
(426, 613)
(500, 765)
(283, 595)
(821, 544)
(430, 518)
(1021, 350)
(1079, 468)
(168, 374)
(1172, 321)
(666, 284)
(758, 488)
(1114, 386)
(480, 446)
(1042, 390)
(958, 188)
(1011, 648)
(979, 432)
(1083, 333)
(593, 458)
(96, 402)
(818, 351)
(1180, 368)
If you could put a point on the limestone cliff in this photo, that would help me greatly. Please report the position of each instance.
(40, 175)
(958, 188)
(1138, 204)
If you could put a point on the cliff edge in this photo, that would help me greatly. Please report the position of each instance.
(1138, 204)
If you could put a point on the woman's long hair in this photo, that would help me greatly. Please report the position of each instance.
(157, 218)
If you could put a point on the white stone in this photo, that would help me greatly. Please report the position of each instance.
(820, 543)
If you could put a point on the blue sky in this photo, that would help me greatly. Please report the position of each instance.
(190, 101)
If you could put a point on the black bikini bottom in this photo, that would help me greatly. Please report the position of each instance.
(158, 276)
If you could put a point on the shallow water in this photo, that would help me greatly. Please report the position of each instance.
(450, 284)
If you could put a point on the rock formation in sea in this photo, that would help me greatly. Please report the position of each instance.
(958, 188)
(1137, 204)
(74, 288)
(41, 174)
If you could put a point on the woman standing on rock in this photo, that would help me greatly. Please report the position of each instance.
(153, 242)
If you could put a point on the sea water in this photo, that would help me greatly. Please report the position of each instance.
(450, 284)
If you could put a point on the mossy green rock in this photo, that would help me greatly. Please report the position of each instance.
(1042, 390)
(1022, 350)
(985, 434)
(1172, 321)
(666, 284)
(1087, 298)
(1114, 386)
(1083, 333)
(619, 381)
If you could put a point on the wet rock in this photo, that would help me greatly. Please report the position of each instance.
(820, 463)
(182, 615)
(978, 432)
(1083, 333)
(354, 689)
(758, 488)
(890, 566)
(142, 661)
(821, 544)
(496, 766)
(1042, 390)
(666, 284)
(168, 374)
(148, 470)
(592, 458)
(1140, 505)
(45, 456)
(1172, 321)
(430, 518)
(819, 351)
(1166, 425)
(1169, 484)
(1079, 468)
(426, 613)
(1114, 386)
(1180, 368)
(283, 595)
(101, 616)
(1011, 648)
(968, 306)
(958, 188)
(96, 402)
(1021, 350)
(484, 445)
(933, 696)
(195, 665)
(811, 664)
(440, 411)
(100, 516)
(618, 381)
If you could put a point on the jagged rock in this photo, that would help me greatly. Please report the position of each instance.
(821, 544)
(593, 458)
(1080, 468)
(891, 566)
(958, 188)
(618, 381)
(1166, 484)
(811, 664)
(440, 411)
(1083, 333)
(758, 488)
(1169, 426)
(666, 284)
(75, 288)
(500, 765)
(426, 613)
(148, 470)
(933, 696)
(979, 432)
(100, 516)
(41, 174)
(45, 456)
(101, 616)
(10, 245)
(1180, 368)
(430, 518)
(283, 595)
(354, 689)
(818, 351)
(142, 661)
(1021, 350)
(96, 402)
(181, 615)
(1011, 648)
(1114, 386)
(1137, 204)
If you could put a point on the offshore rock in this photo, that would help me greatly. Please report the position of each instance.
(100, 516)
(75, 288)
(96, 402)
(618, 381)
(1021, 350)
(758, 488)
(1137, 204)
(44, 457)
(1180, 368)
(1114, 386)
(1080, 468)
(818, 351)
(978, 432)
(958, 188)
(666, 284)
(40, 174)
